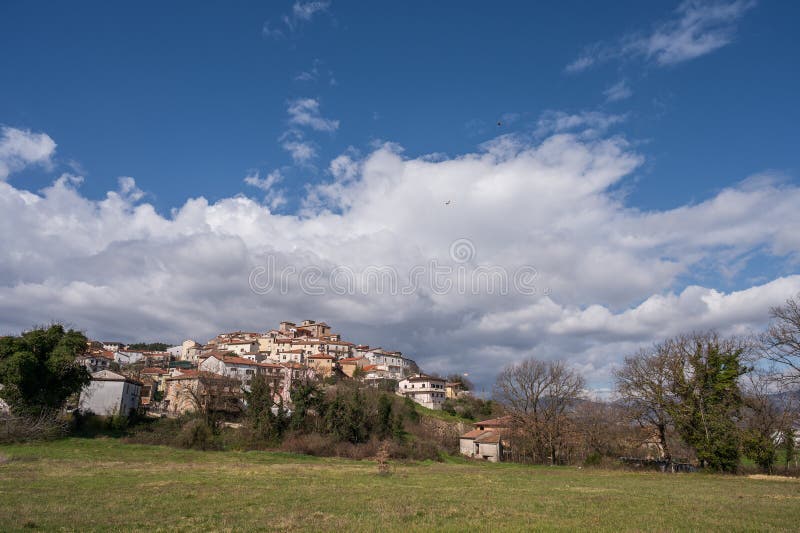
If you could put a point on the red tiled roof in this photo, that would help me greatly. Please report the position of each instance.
(501, 422)
(321, 356)
(233, 360)
(473, 434)
(490, 437)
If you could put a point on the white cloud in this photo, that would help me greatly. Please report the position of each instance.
(129, 190)
(702, 27)
(22, 148)
(266, 183)
(305, 112)
(307, 10)
(302, 12)
(274, 197)
(609, 277)
(588, 123)
(697, 29)
(618, 91)
(301, 150)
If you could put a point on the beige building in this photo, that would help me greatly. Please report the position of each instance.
(321, 364)
(192, 391)
(349, 364)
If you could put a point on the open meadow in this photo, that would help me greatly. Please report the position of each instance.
(105, 484)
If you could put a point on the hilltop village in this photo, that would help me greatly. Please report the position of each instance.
(184, 378)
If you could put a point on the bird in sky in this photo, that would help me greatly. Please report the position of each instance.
(447, 202)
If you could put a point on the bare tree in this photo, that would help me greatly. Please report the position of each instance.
(781, 342)
(538, 395)
(212, 396)
(643, 384)
(767, 412)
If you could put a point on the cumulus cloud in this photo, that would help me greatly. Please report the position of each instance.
(22, 148)
(698, 28)
(606, 278)
(305, 112)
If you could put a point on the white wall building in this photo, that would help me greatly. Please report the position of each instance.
(176, 352)
(394, 362)
(110, 393)
(427, 391)
(124, 357)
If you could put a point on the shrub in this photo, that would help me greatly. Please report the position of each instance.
(43, 426)
(197, 435)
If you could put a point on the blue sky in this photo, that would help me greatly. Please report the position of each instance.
(187, 98)
(686, 114)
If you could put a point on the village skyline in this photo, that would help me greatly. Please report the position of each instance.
(589, 181)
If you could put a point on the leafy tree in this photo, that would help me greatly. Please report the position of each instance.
(346, 417)
(705, 382)
(265, 423)
(38, 369)
(384, 426)
(306, 399)
(760, 448)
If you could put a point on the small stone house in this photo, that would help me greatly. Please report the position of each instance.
(487, 439)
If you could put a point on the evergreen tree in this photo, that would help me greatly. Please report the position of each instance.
(705, 383)
(38, 369)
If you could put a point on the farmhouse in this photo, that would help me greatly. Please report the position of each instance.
(485, 441)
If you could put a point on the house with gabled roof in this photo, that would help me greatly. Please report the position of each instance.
(109, 393)
(486, 440)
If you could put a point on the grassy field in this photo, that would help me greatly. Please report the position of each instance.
(104, 484)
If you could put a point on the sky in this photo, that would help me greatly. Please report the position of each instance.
(470, 183)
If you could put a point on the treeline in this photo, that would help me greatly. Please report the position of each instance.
(698, 398)
(344, 418)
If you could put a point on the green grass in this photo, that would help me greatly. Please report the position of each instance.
(441, 415)
(104, 484)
